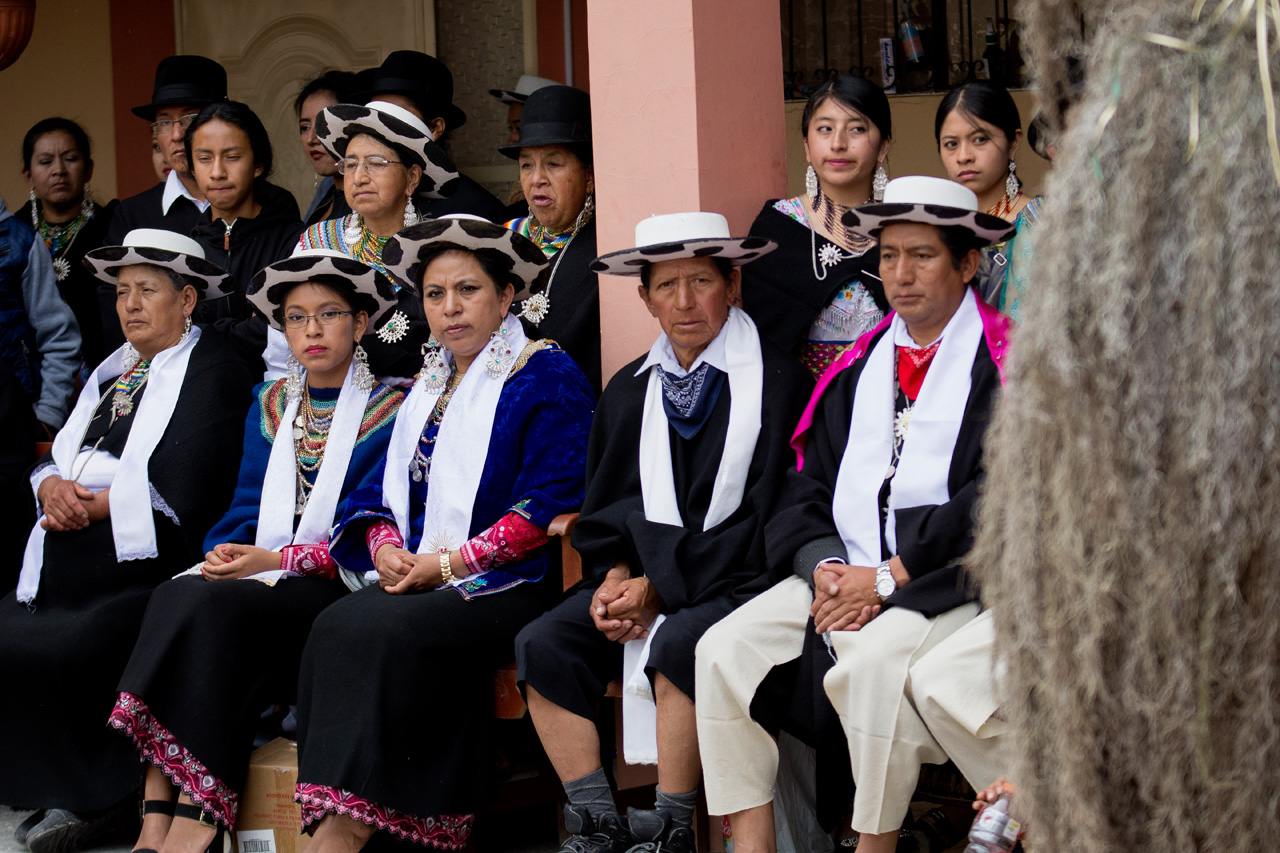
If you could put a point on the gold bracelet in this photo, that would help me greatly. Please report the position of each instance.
(446, 570)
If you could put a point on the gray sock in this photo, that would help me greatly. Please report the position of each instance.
(593, 792)
(677, 807)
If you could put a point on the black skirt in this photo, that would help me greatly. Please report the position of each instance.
(395, 705)
(210, 657)
(60, 663)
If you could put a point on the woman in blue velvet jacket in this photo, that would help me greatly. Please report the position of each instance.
(447, 545)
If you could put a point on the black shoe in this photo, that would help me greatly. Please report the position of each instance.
(24, 829)
(189, 811)
(653, 833)
(64, 831)
(608, 835)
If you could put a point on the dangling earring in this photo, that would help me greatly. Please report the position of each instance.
(879, 183)
(499, 353)
(584, 215)
(186, 328)
(293, 378)
(316, 185)
(86, 203)
(1012, 187)
(435, 371)
(364, 376)
(130, 356)
(35, 205)
(410, 214)
(351, 234)
(811, 183)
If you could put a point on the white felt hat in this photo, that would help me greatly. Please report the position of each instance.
(682, 235)
(928, 201)
(161, 248)
(525, 86)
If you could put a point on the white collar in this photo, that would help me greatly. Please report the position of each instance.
(902, 338)
(175, 189)
(716, 354)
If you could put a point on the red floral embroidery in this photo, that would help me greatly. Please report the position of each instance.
(309, 560)
(509, 541)
(449, 832)
(913, 364)
(382, 532)
(158, 746)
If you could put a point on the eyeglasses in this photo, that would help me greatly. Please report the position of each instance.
(324, 318)
(374, 166)
(165, 125)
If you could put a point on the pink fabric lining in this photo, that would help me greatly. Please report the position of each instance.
(448, 832)
(996, 329)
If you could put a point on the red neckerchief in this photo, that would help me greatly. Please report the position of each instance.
(913, 364)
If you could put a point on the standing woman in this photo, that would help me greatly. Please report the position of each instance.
(556, 175)
(137, 476)
(230, 157)
(309, 441)
(979, 131)
(820, 291)
(58, 165)
(331, 87)
(446, 551)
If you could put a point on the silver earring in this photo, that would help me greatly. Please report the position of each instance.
(410, 214)
(1011, 183)
(499, 353)
(435, 371)
(584, 215)
(293, 378)
(879, 183)
(35, 205)
(811, 183)
(364, 376)
(351, 234)
(186, 327)
(131, 356)
(86, 203)
(317, 183)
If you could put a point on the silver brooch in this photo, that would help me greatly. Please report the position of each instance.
(394, 329)
(61, 268)
(535, 308)
(830, 255)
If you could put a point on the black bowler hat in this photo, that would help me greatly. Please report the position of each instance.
(194, 81)
(553, 115)
(424, 79)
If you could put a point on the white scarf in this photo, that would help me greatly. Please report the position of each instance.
(279, 487)
(461, 447)
(132, 525)
(925, 460)
(658, 491)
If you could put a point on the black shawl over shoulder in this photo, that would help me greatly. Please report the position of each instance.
(685, 564)
(574, 318)
(931, 539)
(780, 291)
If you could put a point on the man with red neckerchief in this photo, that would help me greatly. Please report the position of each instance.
(874, 522)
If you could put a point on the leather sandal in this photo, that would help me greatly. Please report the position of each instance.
(164, 807)
(199, 815)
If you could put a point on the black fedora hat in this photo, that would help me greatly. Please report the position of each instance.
(422, 78)
(195, 81)
(553, 115)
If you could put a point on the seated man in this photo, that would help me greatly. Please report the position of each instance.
(687, 453)
(874, 521)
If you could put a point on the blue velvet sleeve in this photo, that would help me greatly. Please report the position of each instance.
(240, 523)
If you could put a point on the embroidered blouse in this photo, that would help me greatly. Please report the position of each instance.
(332, 234)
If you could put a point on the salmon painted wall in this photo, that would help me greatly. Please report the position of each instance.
(141, 36)
(550, 24)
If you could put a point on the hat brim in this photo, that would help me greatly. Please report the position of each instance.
(209, 280)
(508, 97)
(534, 137)
(375, 294)
(870, 219)
(736, 250)
(402, 254)
(335, 126)
(148, 111)
(453, 115)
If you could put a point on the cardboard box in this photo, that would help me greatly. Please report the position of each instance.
(269, 820)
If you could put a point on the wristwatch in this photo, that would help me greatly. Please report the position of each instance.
(885, 584)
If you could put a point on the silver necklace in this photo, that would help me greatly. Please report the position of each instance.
(536, 307)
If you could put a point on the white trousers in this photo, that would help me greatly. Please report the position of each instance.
(885, 673)
(740, 758)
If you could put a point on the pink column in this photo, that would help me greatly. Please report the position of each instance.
(686, 101)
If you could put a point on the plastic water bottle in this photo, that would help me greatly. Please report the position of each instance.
(912, 46)
(995, 830)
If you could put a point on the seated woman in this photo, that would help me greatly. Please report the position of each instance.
(309, 441)
(155, 427)
(489, 446)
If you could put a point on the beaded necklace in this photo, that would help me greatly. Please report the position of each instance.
(369, 247)
(126, 387)
(420, 464)
(1004, 207)
(310, 436)
(59, 237)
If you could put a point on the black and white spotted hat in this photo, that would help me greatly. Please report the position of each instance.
(928, 201)
(371, 291)
(682, 235)
(403, 253)
(161, 248)
(335, 126)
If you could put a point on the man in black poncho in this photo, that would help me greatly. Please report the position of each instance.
(687, 454)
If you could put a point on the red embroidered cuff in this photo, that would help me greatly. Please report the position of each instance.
(382, 532)
(311, 561)
(511, 540)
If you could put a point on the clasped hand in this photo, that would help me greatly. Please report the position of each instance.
(68, 506)
(844, 597)
(624, 607)
(401, 571)
(233, 560)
